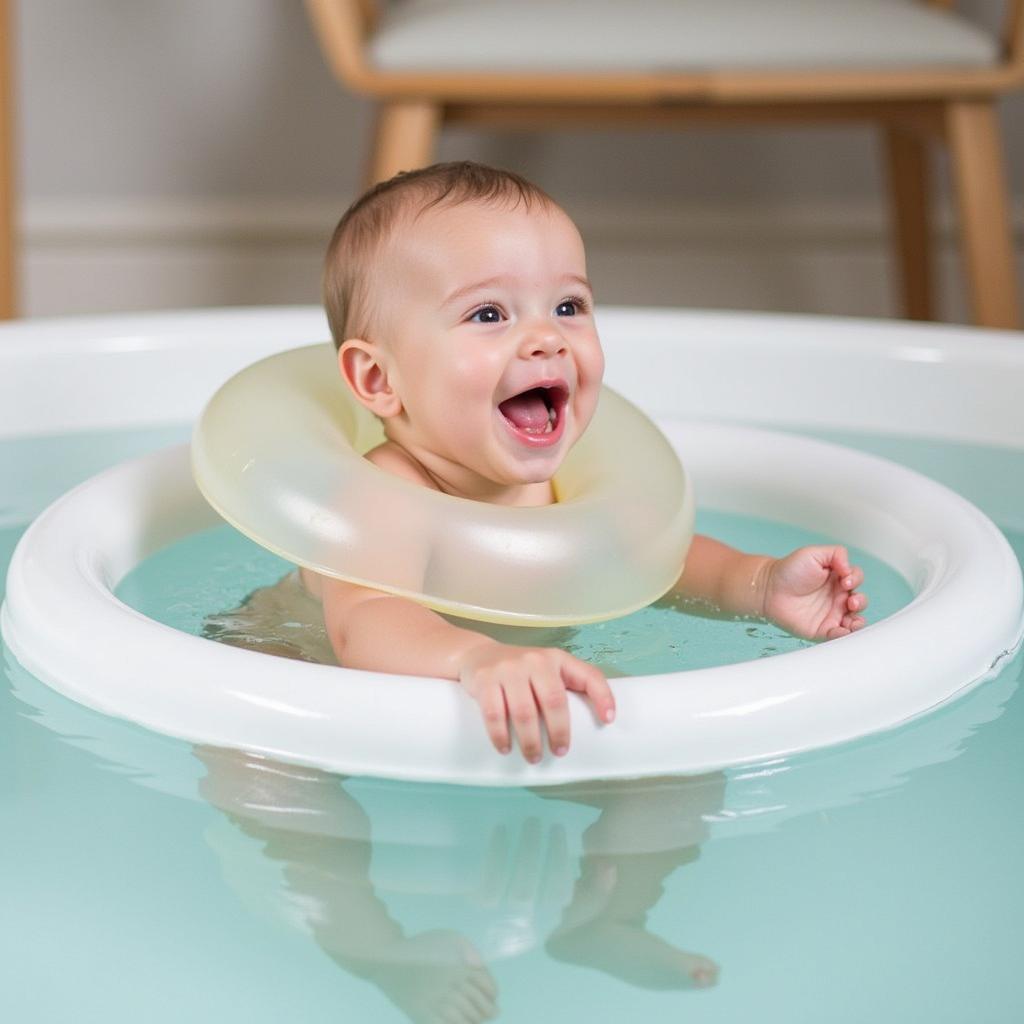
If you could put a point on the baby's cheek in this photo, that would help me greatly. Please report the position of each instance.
(589, 388)
(582, 414)
(479, 366)
(477, 378)
(589, 359)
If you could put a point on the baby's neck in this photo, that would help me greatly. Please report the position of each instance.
(458, 481)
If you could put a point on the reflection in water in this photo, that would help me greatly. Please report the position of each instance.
(622, 875)
(320, 836)
(517, 883)
(458, 878)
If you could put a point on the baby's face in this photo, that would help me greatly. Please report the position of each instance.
(489, 341)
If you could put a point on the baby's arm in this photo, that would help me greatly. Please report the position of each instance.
(811, 592)
(383, 633)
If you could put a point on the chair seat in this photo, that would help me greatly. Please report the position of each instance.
(659, 36)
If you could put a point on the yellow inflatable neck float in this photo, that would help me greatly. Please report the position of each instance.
(278, 453)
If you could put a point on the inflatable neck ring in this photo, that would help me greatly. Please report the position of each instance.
(278, 453)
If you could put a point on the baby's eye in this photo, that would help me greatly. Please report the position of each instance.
(486, 315)
(570, 307)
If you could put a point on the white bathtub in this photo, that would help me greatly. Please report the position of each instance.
(957, 384)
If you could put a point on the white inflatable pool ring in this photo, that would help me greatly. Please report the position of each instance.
(62, 621)
(278, 453)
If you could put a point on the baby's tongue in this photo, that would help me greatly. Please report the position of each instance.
(527, 411)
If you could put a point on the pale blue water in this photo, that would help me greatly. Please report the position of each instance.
(216, 570)
(143, 879)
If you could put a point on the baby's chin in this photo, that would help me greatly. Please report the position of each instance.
(530, 476)
(520, 464)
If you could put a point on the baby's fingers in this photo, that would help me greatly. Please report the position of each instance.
(857, 602)
(853, 579)
(849, 624)
(586, 679)
(839, 560)
(549, 691)
(491, 700)
(522, 711)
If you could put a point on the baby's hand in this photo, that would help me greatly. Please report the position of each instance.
(812, 593)
(524, 685)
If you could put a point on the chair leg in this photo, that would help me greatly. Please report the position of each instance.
(985, 233)
(909, 206)
(406, 135)
(8, 228)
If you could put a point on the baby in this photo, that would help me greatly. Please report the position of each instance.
(458, 299)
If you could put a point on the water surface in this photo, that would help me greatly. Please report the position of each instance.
(145, 879)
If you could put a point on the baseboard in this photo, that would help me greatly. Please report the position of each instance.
(815, 256)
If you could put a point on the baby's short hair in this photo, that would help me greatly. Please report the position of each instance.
(370, 221)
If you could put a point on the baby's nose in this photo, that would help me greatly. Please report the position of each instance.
(542, 340)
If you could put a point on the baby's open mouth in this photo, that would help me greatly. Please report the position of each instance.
(538, 412)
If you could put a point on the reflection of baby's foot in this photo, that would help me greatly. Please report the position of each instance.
(627, 951)
(436, 977)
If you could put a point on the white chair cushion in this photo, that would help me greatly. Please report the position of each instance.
(673, 35)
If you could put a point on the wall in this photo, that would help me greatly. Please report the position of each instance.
(198, 153)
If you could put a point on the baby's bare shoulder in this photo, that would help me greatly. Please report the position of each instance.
(395, 460)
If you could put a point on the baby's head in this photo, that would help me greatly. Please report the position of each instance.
(458, 301)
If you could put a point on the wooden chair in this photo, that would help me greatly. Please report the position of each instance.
(8, 304)
(913, 104)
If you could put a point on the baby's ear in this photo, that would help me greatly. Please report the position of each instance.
(364, 369)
